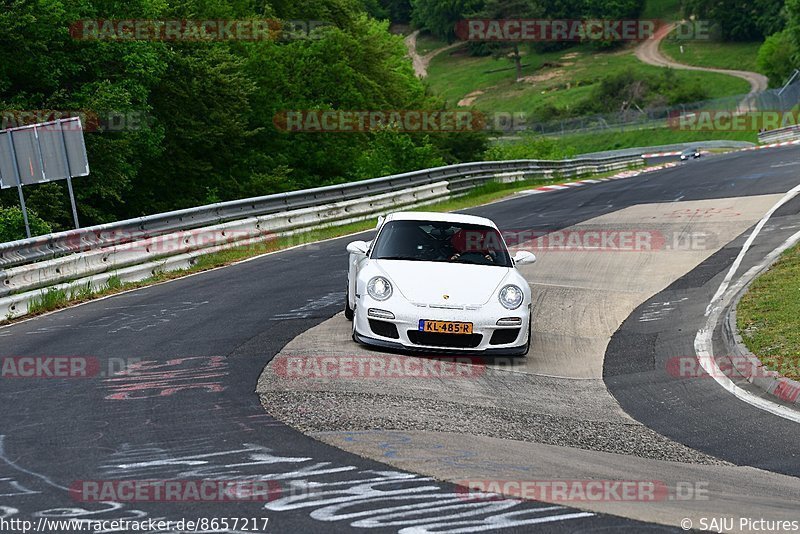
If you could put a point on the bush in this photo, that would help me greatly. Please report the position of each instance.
(775, 57)
(631, 90)
(12, 224)
(394, 152)
(530, 147)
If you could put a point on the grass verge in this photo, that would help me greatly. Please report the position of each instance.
(768, 316)
(55, 299)
(538, 147)
(733, 56)
(613, 140)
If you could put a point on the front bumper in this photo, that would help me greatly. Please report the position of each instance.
(405, 332)
(493, 351)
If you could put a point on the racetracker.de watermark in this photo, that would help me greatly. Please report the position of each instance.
(574, 30)
(361, 121)
(708, 120)
(578, 491)
(195, 30)
(61, 367)
(584, 239)
(256, 239)
(557, 30)
(377, 367)
(90, 121)
(733, 367)
(152, 490)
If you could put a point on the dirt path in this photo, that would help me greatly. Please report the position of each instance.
(421, 62)
(649, 52)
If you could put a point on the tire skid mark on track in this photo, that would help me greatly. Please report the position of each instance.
(382, 499)
(361, 497)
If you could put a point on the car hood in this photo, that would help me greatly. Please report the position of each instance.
(423, 282)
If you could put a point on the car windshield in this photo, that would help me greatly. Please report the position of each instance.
(441, 242)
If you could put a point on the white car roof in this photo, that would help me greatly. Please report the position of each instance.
(439, 217)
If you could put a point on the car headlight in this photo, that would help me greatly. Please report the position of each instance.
(511, 297)
(379, 288)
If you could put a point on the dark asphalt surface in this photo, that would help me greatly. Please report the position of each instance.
(641, 368)
(189, 411)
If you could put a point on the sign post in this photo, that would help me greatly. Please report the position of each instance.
(69, 177)
(15, 167)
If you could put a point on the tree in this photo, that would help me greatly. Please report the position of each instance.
(397, 10)
(793, 27)
(775, 57)
(209, 106)
(511, 9)
(12, 224)
(440, 16)
(740, 20)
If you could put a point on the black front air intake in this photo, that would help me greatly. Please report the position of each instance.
(382, 328)
(435, 339)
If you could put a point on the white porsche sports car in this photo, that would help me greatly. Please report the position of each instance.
(439, 282)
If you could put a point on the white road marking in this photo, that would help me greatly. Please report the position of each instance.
(703, 340)
(658, 310)
(789, 164)
(732, 271)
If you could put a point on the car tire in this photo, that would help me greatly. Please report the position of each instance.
(348, 311)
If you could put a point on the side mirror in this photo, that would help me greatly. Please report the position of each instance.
(358, 247)
(381, 218)
(523, 257)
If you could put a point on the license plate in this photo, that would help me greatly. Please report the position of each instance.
(445, 327)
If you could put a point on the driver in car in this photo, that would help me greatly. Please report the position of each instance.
(471, 242)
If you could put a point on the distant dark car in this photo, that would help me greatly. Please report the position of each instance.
(690, 153)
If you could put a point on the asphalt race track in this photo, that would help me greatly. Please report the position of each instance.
(186, 407)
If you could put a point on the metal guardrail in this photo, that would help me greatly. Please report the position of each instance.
(787, 133)
(136, 249)
(460, 177)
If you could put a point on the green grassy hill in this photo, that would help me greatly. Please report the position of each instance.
(561, 79)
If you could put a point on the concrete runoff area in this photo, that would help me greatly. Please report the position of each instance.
(552, 404)
(582, 297)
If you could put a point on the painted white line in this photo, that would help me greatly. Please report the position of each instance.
(703, 341)
(470, 526)
(732, 271)
(779, 165)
